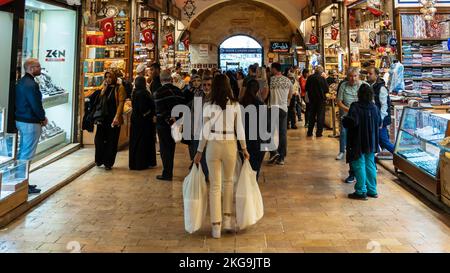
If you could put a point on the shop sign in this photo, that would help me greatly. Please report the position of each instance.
(156, 4)
(416, 3)
(312, 47)
(55, 55)
(203, 51)
(280, 47)
(241, 50)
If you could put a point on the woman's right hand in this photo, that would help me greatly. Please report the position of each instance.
(198, 158)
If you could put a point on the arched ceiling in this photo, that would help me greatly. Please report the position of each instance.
(285, 10)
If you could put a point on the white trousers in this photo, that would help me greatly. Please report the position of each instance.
(221, 154)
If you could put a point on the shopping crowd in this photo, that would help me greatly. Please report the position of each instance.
(364, 119)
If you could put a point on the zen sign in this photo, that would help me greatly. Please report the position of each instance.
(280, 47)
(54, 55)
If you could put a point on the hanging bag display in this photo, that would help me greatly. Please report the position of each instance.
(249, 203)
(195, 199)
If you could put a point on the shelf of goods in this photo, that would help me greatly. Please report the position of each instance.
(142, 55)
(13, 174)
(418, 148)
(426, 57)
(182, 57)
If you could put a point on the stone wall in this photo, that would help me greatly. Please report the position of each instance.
(240, 18)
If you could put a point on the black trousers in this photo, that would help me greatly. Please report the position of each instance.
(106, 141)
(166, 148)
(291, 113)
(307, 110)
(317, 114)
(256, 156)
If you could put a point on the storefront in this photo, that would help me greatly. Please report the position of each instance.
(182, 55)
(167, 37)
(145, 34)
(309, 29)
(330, 41)
(371, 38)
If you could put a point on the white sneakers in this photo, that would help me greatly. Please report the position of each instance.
(340, 156)
(216, 231)
(227, 223)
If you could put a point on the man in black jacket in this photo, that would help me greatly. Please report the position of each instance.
(30, 114)
(155, 71)
(316, 88)
(166, 98)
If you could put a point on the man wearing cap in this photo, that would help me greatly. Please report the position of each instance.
(166, 98)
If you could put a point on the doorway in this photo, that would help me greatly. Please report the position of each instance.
(239, 52)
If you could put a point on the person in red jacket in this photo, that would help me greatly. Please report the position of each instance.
(302, 81)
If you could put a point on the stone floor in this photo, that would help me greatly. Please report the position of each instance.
(306, 210)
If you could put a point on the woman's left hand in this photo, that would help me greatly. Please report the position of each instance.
(246, 154)
(115, 122)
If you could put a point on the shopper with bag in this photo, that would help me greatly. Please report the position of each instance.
(166, 98)
(222, 128)
(108, 118)
(251, 98)
(142, 152)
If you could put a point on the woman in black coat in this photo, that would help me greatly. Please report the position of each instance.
(253, 141)
(363, 122)
(142, 153)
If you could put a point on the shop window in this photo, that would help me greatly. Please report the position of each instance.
(50, 36)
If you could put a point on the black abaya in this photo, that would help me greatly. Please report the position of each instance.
(142, 152)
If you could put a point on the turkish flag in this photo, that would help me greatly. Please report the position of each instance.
(334, 33)
(4, 2)
(313, 39)
(169, 39)
(107, 26)
(375, 11)
(148, 36)
(186, 44)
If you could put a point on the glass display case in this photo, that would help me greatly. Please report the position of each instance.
(13, 176)
(7, 148)
(2, 120)
(417, 150)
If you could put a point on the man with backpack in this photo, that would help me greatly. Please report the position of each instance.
(383, 102)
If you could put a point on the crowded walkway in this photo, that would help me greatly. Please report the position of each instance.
(305, 202)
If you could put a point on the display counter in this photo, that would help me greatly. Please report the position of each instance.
(417, 150)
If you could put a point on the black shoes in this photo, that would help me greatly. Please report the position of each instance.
(309, 135)
(273, 158)
(319, 135)
(358, 196)
(161, 177)
(372, 195)
(108, 168)
(33, 190)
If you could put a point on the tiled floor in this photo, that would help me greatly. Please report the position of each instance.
(306, 210)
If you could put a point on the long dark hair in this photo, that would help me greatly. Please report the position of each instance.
(250, 94)
(365, 93)
(221, 91)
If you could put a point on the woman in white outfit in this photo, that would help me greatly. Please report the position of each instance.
(222, 128)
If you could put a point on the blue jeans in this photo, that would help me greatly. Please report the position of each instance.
(29, 134)
(384, 140)
(366, 174)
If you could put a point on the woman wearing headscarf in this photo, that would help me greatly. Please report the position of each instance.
(142, 152)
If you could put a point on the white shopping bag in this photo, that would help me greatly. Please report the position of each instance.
(195, 199)
(249, 203)
(177, 130)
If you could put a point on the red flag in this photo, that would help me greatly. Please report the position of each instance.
(4, 2)
(334, 33)
(169, 39)
(186, 44)
(148, 36)
(313, 39)
(107, 26)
